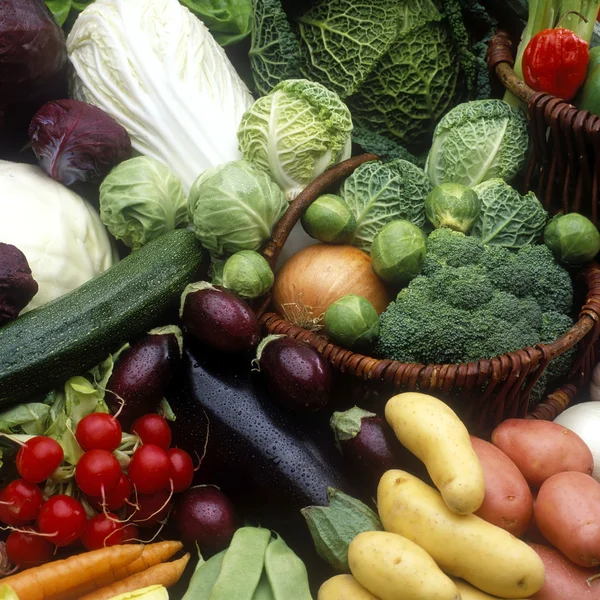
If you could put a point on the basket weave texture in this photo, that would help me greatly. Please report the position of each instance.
(486, 392)
(564, 169)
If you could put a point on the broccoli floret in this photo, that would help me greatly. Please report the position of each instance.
(548, 282)
(555, 324)
(462, 287)
(453, 249)
(501, 266)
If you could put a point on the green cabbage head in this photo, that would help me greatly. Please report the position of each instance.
(295, 133)
(477, 141)
(234, 207)
(140, 199)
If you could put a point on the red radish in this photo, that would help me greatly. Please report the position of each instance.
(116, 498)
(38, 458)
(150, 509)
(182, 469)
(149, 469)
(101, 531)
(23, 500)
(99, 431)
(153, 429)
(205, 515)
(97, 473)
(28, 549)
(64, 518)
(130, 533)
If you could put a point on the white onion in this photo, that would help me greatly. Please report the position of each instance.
(584, 420)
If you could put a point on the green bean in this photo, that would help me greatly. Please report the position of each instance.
(286, 572)
(263, 591)
(243, 565)
(204, 578)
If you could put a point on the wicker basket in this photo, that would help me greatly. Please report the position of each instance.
(485, 392)
(564, 169)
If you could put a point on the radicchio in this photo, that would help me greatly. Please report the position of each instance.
(75, 141)
(17, 285)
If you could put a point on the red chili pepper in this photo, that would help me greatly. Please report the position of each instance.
(555, 62)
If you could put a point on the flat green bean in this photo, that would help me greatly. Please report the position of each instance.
(263, 591)
(286, 572)
(243, 565)
(204, 578)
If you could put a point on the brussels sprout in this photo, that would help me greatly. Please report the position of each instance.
(352, 322)
(454, 206)
(328, 219)
(247, 274)
(234, 207)
(573, 239)
(141, 199)
(398, 252)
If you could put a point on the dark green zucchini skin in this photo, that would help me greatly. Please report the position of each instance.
(70, 335)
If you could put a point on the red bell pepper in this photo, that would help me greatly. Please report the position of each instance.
(555, 62)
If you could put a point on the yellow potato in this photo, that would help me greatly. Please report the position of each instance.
(468, 592)
(431, 430)
(344, 587)
(464, 546)
(393, 568)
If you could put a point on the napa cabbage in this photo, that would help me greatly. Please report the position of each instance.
(156, 69)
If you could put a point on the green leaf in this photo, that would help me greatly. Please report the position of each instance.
(275, 50)
(101, 373)
(61, 430)
(229, 21)
(82, 399)
(343, 40)
(29, 418)
(60, 9)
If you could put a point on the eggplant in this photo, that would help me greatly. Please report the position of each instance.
(142, 374)
(269, 461)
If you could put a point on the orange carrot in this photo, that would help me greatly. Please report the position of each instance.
(165, 574)
(59, 579)
(153, 554)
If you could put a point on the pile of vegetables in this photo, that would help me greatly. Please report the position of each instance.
(154, 441)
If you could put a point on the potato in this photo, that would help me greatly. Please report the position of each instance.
(468, 592)
(431, 430)
(344, 587)
(507, 502)
(567, 512)
(541, 449)
(464, 546)
(564, 579)
(393, 568)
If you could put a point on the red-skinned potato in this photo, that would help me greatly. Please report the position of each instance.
(565, 580)
(507, 502)
(541, 449)
(567, 512)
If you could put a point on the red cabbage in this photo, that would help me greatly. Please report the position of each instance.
(75, 141)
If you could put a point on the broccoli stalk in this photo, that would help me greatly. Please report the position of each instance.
(546, 14)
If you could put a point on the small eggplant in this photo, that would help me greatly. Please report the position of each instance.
(367, 443)
(297, 375)
(219, 318)
(143, 373)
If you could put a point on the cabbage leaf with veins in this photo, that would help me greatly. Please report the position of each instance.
(296, 132)
(156, 69)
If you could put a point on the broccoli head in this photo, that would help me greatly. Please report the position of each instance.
(450, 248)
(462, 287)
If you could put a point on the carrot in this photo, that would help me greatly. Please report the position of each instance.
(153, 554)
(59, 579)
(165, 574)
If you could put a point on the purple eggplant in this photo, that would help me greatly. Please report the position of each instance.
(296, 374)
(142, 374)
(205, 515)
(218, 318)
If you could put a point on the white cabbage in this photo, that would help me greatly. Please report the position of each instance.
(155, 68)
(60, 234)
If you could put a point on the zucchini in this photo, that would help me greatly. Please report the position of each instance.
(73, 333)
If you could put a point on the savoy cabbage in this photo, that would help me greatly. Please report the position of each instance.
(378, 193)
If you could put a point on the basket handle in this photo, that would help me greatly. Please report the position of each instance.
(305, 199)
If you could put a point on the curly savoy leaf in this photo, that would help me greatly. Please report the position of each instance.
(507, 218)
(378, 193)
(342, 41)
(275, 51)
